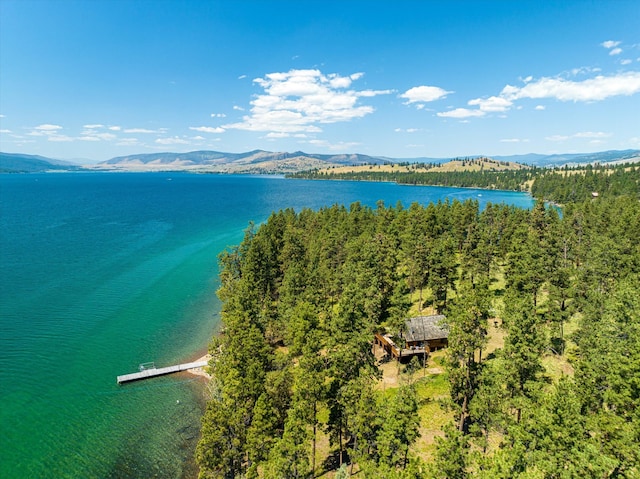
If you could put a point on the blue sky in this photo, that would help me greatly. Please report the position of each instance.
(96, 79)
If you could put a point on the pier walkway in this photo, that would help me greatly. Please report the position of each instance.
(151, 372)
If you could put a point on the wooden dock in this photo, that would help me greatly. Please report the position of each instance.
(152, 372)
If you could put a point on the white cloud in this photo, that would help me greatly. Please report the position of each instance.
(594, 135)
(238, 108)
(139, 130)
(339, 82)
(340, 146)
(614, 49)
(276, 135)
(115, 128)
(557, 138)
(492, 104)
(128, 142)
(460, 113)
(218, 115)
(299, 100)
(207, 129)
(93, 126)
(59, 138)
(370, 93)
(198, 138)
(242, 77)
(172, 141)
(592, 89)
(610, 44)
(424, 94)
(5, 131)
(90, 135)
(48, 127)
(51, 132)
(514, 140)
(626, 61)
(584, 70)
(540, 107)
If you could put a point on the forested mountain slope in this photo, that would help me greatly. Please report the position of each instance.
(561, 185)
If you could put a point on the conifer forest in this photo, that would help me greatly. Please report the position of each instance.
(541, 376)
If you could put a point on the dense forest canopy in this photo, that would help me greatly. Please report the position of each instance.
(541, 377)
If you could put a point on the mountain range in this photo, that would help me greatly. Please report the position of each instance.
(19, 163)
(256, 161)
(266, 162)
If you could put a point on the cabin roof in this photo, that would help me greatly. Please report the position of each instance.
(425, 328)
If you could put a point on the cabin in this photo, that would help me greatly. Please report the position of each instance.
(430, 331)
(422, 335)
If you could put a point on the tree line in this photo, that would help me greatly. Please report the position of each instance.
(497, 180)
(304, 293)
(568, 185)
(560, 185)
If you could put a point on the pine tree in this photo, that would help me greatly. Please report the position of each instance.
(467, 321)
(451, 455)
(524, 345)
(399, 429)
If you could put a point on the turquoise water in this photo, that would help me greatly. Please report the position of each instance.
(101, 272)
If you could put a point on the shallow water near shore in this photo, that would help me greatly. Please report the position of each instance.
(101, 272)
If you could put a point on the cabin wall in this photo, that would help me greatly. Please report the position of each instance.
(434, 344)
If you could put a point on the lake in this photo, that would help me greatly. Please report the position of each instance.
(100, 272)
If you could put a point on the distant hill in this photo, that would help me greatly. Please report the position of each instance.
(256, 161)
(267, 162)
(476, 164)
(537, 159)
(611, 156)
(19, 163)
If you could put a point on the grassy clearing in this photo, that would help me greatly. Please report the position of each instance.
(432, 388)
(495, 337)
(433, 392)
(415, 309)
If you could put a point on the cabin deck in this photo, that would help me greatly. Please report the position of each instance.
(401, 354)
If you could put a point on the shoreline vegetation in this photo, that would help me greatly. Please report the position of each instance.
(201, 372)
(544, 340)
(557, 185)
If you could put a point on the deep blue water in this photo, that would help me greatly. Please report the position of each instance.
(100, 272)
